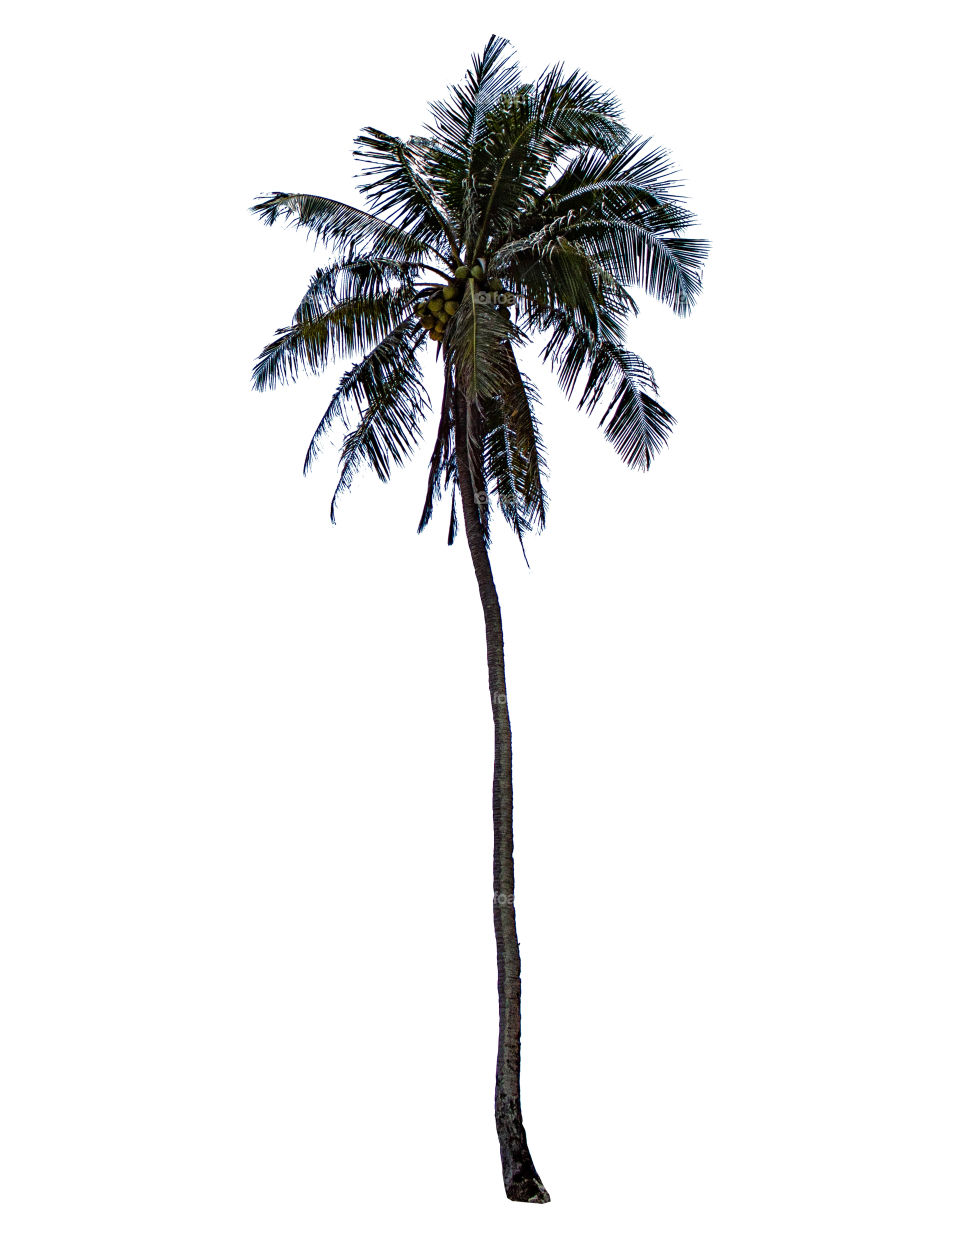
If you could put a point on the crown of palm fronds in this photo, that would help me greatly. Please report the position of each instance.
(541, 193)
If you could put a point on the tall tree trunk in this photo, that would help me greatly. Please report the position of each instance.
(520, 1179)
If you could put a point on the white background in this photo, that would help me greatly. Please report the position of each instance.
(248, 960)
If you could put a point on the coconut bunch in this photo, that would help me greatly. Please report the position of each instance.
(443, 300)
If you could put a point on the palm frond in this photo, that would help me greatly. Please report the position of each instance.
(622, 210)
(473, 346)
(628, 176)
(392, 364)
(527, 452)
(362, 275)
(666, 267)
(469, 415)
(500, 465)
(578, 112)
(452, 149)
(452, 529)
(320, 334)
(459, 121)
(529, 131)
(441, 456)
(388, 431)
(343, 226)
(634, 421)
(395, 187)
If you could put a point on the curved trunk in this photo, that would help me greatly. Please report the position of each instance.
(520, 1179)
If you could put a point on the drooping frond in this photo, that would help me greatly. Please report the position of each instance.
(501, 466)
(527, 455)
(646, 253)
(514, 457)
(452, 528)
(476, 352)
(392, 365)
(474, 346)
(389, 427)
(475, 415)
(634, 422)
(571, 346)
(442, 455)
(320, 334)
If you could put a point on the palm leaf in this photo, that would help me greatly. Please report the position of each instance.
(634, 422)
(341, 225)
(395, 187)
(442, 454)
(528, 456)
(473, 347)
(666, 267)
(388, 431)
(319, 335)
(391, 364)
(459, 122)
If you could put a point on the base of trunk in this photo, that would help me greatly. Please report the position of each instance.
(526, 1190)
(520, 1180)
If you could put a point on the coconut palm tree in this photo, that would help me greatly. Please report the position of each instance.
(524, 209)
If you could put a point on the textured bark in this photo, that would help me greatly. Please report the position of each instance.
(520, 1179)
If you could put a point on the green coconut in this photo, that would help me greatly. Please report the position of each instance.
(477, 271)
(452, 307)
(461, 273)
(449, 292)
(436, 305)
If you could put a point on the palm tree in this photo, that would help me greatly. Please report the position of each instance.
(531, 195)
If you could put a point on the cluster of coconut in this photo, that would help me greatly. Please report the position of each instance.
(444, 299)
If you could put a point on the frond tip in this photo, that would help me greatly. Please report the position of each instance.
(634, 422)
